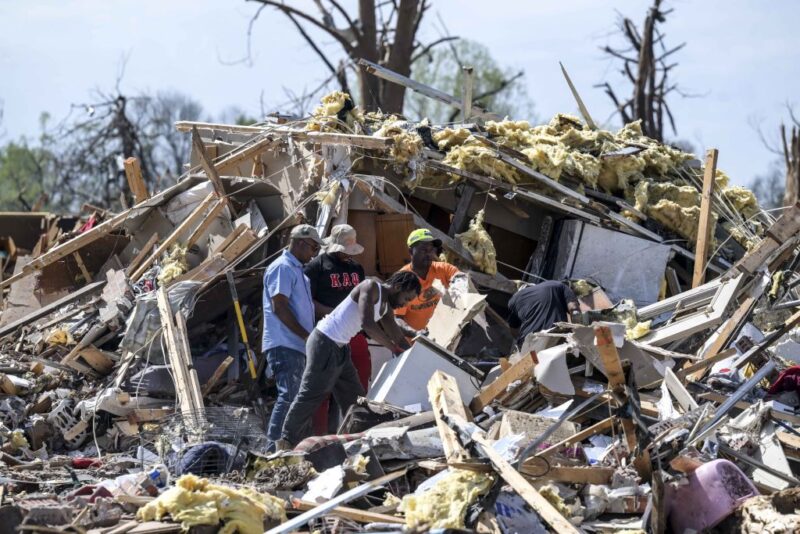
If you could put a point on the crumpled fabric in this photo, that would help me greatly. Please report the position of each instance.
(788, 380)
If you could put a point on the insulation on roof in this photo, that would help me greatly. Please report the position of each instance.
(445, 504)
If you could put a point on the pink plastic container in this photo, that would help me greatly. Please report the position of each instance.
(714, 491)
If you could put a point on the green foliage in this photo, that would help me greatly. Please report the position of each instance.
(499, 89)
(25, 173)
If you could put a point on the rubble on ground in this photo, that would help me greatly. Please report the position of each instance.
(127, 403)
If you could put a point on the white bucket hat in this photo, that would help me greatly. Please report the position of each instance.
(343, 239)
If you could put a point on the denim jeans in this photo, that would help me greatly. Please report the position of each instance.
(329, 369)
(286, 366)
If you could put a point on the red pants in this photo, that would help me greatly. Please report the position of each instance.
(359, 353)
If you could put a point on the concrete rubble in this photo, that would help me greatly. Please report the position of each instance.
(668, 404)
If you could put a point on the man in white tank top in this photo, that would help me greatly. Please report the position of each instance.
(329, 369)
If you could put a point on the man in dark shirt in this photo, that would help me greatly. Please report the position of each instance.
(538, 307)
(333, 275)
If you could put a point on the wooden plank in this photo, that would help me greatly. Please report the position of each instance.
(535, 500)
(578, 99)
(139, 258)
(221, 370)
(187, 223)
(363, 141)
(704, 363)
(786, 227)
(522, 369)
(573, 474)
(705, 224)
(596, 428)
(446, 402)
(460, 218)
(423, 89)
(133, 172)
(362, 516)
(742, 405)
(616, 381)
(684, 398)
(533, 271)
(466, 100)
(185, 351)
(87, 277)
(174, 355)
(210, 170)
(216, 210)
(722, 335)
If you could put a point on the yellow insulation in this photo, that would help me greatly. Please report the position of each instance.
(445, 504)
(195, 501)
(174, 265)
(325, 116)
(407, 145)
(477, 242)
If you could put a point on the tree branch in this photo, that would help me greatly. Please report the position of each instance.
(428, 48)
(305, 16)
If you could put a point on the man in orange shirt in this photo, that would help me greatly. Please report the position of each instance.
(422, 246)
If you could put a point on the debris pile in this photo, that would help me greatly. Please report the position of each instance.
(135, 396)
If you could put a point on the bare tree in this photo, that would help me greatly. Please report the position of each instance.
(382, 32)
(791, 158)
(91, 146)
(788, 148)
(646, 66)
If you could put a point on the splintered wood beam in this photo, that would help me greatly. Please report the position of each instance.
(705, 224)
(209, 169)
(133, 172)
(616, 382)
(425, 90)
(460, 217)
(221, 370)
(446, 402)
(578, 99)
(182, 228)
(466, 103)
(522, 369)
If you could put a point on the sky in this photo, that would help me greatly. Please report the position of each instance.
(742, 59)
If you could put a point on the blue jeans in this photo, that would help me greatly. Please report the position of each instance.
(286, 366)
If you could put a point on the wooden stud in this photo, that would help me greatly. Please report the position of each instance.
(522, 369)
(466, 102)
(139, 258)
(187, 223)
(446, 401)
(705, 225)
(87, 277)
(133, 172)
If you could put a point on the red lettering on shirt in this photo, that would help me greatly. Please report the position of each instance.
(335, 280)
(354, 278)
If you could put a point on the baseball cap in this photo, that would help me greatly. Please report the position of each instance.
(305, 231)
(343, 239)
(421, 235)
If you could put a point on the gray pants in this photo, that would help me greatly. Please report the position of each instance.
(329, 370)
